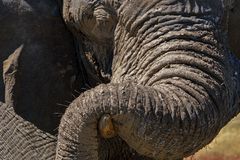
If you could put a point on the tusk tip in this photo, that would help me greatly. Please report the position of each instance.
(106, 127)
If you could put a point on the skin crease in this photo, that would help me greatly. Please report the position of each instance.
(163, 83)
(171, 88)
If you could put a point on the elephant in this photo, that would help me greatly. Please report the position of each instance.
(232, 20)
(156, 79)
(47, 49)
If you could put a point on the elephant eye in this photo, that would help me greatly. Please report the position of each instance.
(96, 3)
(90, 7)
(87, 15)
(86, 12)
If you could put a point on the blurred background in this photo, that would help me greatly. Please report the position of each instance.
(226, 146)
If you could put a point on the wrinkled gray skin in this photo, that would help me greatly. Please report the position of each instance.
(171, 82)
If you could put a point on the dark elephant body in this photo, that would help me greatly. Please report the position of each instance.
(47, 66)
(34, 34)
(232, 22)
(171, 82)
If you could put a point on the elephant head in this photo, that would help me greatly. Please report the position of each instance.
(174, 83)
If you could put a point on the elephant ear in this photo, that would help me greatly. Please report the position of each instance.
(10, 67)
(17, 135)
(232, 22)
(48, 72)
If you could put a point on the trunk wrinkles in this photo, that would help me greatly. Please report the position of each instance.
(171, 90)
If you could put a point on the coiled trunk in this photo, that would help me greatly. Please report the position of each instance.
(172, 85)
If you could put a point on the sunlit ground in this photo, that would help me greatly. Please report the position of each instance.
(226, 146)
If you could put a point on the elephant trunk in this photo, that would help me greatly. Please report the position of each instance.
(171, 91)
(79, 137)
(184, 58)
(164, 122)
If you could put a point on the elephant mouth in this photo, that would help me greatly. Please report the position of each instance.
(94, 60)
